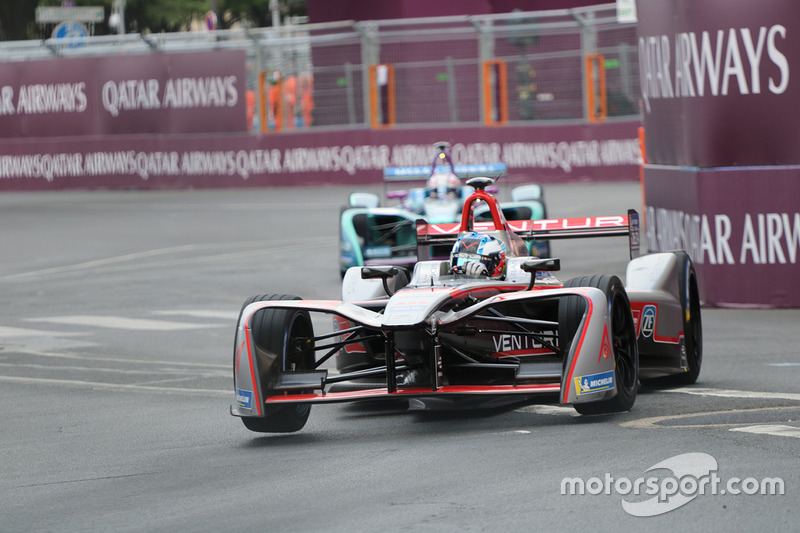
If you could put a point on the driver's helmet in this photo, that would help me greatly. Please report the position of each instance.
(477, 254)
(443, 186)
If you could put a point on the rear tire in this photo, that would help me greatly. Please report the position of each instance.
(623, 345)
(692, 323)
(275, 330)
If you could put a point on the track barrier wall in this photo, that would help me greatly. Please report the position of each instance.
(319, 103)
(722, 180)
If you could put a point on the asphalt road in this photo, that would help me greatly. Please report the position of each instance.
(117, 313)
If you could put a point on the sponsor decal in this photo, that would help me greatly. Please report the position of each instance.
(605, 346)
(594, 382)
(181, 93)
(637, 322)
(378, 251)
(648, 321)
(42, 98)
(244, 398)
(751, 57)
(509, 344)
(722, 239)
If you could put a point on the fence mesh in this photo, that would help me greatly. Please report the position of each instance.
(433, 72)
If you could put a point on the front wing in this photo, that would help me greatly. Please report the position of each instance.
(581, 370)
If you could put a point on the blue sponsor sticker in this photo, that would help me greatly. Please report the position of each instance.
(244, 398)
(378, 251)
(648, 321)
(594, 383)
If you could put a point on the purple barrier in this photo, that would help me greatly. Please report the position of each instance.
(147, 93)
(718, 81)
(740, 226)
(604, 152)
(719, 108)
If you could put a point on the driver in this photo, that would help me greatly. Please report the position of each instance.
(478, 254)
(444, 186)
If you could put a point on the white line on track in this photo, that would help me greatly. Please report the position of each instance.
(114, 386)
(727, 393)
(654, 422)
(99, 262)
(120, 322)
(25, 332)
(771, 429)
(555, 410)
(195, 373)
(157, 362)
(200, 313)
(114, 264)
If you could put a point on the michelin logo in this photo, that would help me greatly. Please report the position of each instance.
(595, 382)
(244, 398)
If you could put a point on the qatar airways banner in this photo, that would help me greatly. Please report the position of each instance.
(147, 93)
(544, 154)
(740, 226)
(720, 81)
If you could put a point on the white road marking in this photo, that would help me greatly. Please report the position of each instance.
(114, 264)
(121, 322)
(783, 364)
(115, 386)
(98, 262)
(74, 356)
(727, 393)
(200, 313)
(25, 332)
(127, 372)
(775, 429)
(654, 421)
(556, 410)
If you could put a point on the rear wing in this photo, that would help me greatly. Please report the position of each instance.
(400, 174)
(545, 229)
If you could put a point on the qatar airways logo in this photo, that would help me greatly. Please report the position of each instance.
(688, 64)
(178, 93)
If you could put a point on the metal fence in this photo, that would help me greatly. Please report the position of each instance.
(534, 67)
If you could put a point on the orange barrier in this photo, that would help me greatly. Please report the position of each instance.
(387, 119)
(495, 97)
(597, 102)
(270, 101)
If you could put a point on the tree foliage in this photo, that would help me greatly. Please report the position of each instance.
(17, 17)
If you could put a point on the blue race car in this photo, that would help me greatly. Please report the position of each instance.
(371, 234)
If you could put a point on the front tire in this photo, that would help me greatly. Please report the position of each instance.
(623, 345)
(276, 331)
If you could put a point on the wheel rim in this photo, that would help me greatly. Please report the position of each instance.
(624, 344)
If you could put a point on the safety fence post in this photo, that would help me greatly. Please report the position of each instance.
(381, 96)
(597, 101)
(495, 93)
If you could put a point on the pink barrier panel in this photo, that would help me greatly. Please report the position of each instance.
(719, 102)
(718, 81)
(147, 93)
(740, 226)
(543, 154)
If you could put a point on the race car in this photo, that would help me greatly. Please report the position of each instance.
(488, 326)
(371, 234)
